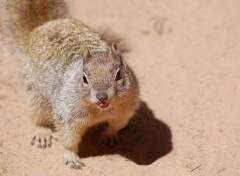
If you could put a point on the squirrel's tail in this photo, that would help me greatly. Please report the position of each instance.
(19, 17)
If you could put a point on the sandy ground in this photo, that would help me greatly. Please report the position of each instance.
(186, 55)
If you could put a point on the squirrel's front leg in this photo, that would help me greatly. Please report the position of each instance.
(71, 135)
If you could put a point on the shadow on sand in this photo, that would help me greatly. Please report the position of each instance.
(143, 141)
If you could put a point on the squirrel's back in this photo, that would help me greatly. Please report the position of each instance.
(67, 39)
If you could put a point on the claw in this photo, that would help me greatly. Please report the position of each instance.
(42, 138)
(109, 141)
(73, 161)
(33, 140)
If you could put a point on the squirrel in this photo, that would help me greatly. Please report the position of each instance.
(74, 79)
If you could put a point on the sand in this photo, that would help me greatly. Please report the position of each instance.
(186, 56)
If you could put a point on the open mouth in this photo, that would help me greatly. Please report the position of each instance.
(103, 104)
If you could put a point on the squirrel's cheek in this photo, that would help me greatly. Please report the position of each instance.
(85, 92)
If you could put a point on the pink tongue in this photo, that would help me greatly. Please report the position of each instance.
(103, 104)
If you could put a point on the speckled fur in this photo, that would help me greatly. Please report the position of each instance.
(56, 54)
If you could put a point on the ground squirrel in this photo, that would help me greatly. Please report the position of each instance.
(73, 78)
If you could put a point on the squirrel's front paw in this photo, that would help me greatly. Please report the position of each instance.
(109, 140)
(73, 161)
(42, 137)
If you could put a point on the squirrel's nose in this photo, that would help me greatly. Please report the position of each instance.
(102, 96)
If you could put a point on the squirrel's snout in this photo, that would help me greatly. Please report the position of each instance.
(102, 96)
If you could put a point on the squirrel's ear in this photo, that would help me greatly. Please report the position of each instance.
(114, 50)
(116, 53)
(86, 56)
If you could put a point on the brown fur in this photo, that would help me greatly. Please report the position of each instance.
(58, 56)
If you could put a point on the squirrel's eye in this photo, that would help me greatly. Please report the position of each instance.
(85, 79)
(118, 75)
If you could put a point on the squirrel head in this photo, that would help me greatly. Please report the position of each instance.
(106, 79)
